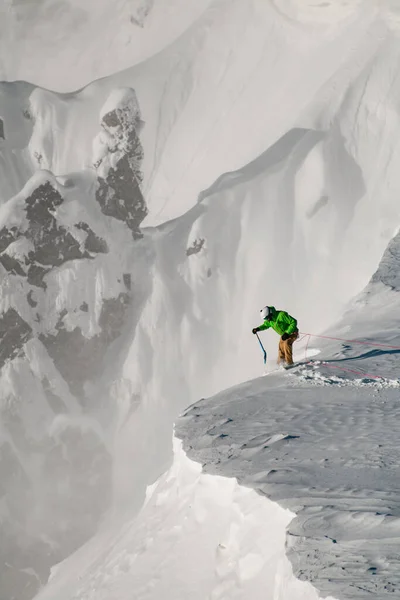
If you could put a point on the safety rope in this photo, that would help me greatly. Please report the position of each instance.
(326, 337)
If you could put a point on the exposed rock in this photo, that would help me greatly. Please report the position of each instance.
(14, 333)
(36, 274)
(93, 243)
(388, 271)
(195, 247)
(2, 136)
(7, 236)
(30, 299)
(40, 206)
(84, 307)
(120, 196)
(53, 244)
(112, 316)
(12, 265)
(119, 193)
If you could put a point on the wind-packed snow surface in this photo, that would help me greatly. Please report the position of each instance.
(248, 157)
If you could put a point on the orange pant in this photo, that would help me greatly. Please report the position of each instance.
(286, 349)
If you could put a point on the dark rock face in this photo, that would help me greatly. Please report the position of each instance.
(196, 247)
(11, 265)
(2, 136)
(93, 243)
(31, 301)
(14, 333)
(119, 194)
(53, 244)
(7, 236)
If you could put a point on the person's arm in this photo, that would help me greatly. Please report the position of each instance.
(265, 325)
(292, 325)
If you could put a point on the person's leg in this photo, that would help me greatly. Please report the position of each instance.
(288, 351)
(288, 348)
(281, 351)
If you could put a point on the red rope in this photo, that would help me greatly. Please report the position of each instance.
(352, 371)
(303, 335)
(306, 350)
(309, 335)
(326, 337)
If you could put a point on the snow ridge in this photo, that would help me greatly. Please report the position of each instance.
(328, 457)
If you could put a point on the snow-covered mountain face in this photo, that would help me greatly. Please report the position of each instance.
(65, 298)
(65, 44)
(250, 159)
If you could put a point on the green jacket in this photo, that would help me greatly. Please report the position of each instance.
(281, 322)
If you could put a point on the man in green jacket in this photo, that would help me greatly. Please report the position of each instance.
(285, 326)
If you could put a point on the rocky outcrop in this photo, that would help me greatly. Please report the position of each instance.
(32, 250)
(14, 333)
(196, 247)
(47, 243)
(388, 271)
(119, 167)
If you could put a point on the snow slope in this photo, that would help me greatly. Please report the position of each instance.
(321, 440)
(144, 220)
(197, 537)
(65, 44)
(327, 450)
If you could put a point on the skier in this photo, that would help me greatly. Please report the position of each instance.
(285, 326)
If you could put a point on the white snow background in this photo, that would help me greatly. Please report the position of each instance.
(271, 175)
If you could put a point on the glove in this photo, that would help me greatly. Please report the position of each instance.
(285, 336)
(255, 330)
